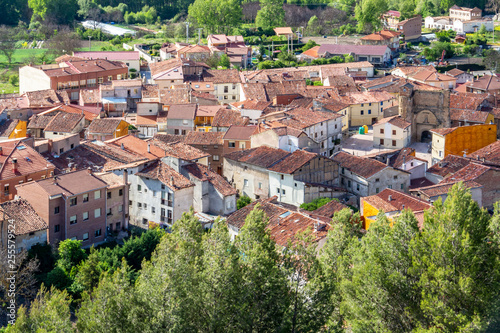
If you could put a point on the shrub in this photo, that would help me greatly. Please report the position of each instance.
(243, 201)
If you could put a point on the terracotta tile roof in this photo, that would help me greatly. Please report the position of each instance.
(455, 72)
(202, 86)
(364, 167)
(420, 182)
(393, 13)
(204, 173)
(287, 130)
(262, 156)
(218, 76)
(283, 31)
(442, 188)
(150, 91)
(204, 138)
(467, 101)
(64, 122)
(203, 95)
(174, 96)
(302, 102)
(329, 209)
(68, 68)
(272, 211)
(226, 117)
(75, 109)
(332, 104)
(97, 155)
(343, 83)
(443, 131)
(381, 35)
(312, 52)
(490, 154)
(274, 89)
(45, 98)
(255, 91)
(448, 165)
(395, 201)
(111, 179)
(7, 126)
(495, 112)
(182, 111)
(29, 161)
(90, 96)
(293, 224)
(293, 161)
(146, 120)
(485, 83)
(470, 172)
(25, 217)
(469, 116)
(303, 118)
(371, 50)
(366, 97)
(165, 174)
(431, 76)
(169, 138)
(207, 110)
(67, 57)
(240, 132)
(38, 121)
(126, 83)
(69, 184)
(104, 126)
(180, 150)
(138, 146)
(412, 70)
(194, 49)
(405, 154)
(252, 104)
(397, 121)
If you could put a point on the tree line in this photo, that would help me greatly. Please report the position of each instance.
(393, 278)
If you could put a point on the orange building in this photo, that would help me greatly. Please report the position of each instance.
(461, 140)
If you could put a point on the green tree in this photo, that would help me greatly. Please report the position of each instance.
(49, 312)
(367, 14)
(271, 14)
(7, 42)
(224, 61)
(243, 201)
(313, 26)
(264, 285)
(216, 15)
(456, 264)
(309, 45)
(70, 254)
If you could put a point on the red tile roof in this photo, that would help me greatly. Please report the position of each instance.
(442, 188)
(204, 138)
(64, 122)
(397, 121)
(272, 211)
(7, 126)
(226, 118)
(165, 174)
(395, 201)
(39, 122)
(182, 111)
(490, 154)
(111, 55)
(218, 76)
(241, 133)
(104, 126)
(262, 156)
(26, 218)
(180, 150)
(289, 226)
(364, 167)
(204, 173)
(301, 118)
(449, 165)
(329, 209)
(469, 172)
(294, 161)
(29, 161)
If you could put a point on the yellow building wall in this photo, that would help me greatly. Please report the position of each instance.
(203, 120)
(490, 119)
(19, 131)
(203, 128)
(122, 129)
(368, 210)
(469, 139)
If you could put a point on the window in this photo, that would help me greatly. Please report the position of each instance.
(139, 205)
(394, 143)
(97, 212)
(440, 154)
(260, 186)
(278, 190)
(110, 77)
(343, 171)
(226, 89)
(139, 188)
(282, 177)
(85, 216)
(369, 104)
(393, 132)
(216, 147)
(74, 95)
(120, 192)
(321, 132)
(120, 208)
(85, 236)
(145, 205)
(57, 228)
(110, 212)
(130, 203)
(176, 132)
(109, 195)
(100, 79)
(348, 183)
(377, 179)
(395, 177)
(72, 146)
(381, 142)
(342, 181)
(72, 219)
(97, 195)
(98, 233)
(402, 186)
(215, 157)
(91, 82)
(242, 145)
(162, 186)
(283, 192)
(377, 190)
(83, 83)
(381, 131)
(144, 221)
(153, 210)
(72, 201)
(56, 210)
(245, 182)
(362, 112)
(231, 144)
(357, 187)
(370, 111)
(6, 189)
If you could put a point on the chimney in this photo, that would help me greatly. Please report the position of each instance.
(89, 170)
(125, 176)
(149, 147)
(404, 162)
(171, 180)
(14, 164)
(55, 180)
(123, 146)
(389, 198)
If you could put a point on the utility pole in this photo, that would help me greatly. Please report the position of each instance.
(272, 50)
(187, 32)
(199, 36)
(89, 43)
